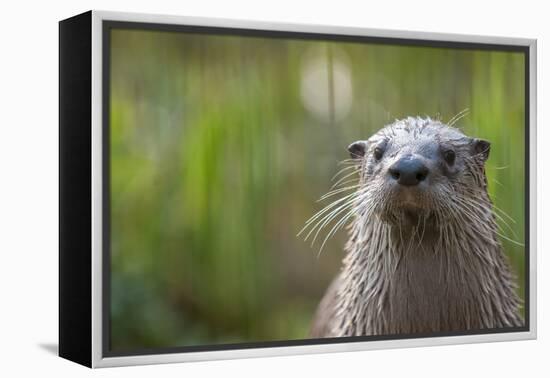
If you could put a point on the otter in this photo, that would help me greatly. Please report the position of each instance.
(423, 253)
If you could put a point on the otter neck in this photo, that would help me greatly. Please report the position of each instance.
(423, 278)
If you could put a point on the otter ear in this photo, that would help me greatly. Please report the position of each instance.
(358, 149)
(482, 148)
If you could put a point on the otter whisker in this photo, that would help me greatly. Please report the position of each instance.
(349, 181)
(327, 208)
(461, 210)
(344, 178)
(338, 191)
(511, 240)
(458, 116)
(356, 208)
(327, 218)
(480, 223)
(499, 168)
(335, 228)
(496, 208)
(497, 182)
(353, 161)
(342, 171)
(474, 203)
(504, 213)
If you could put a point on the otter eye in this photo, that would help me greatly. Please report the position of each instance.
(378, 153)
(449, 156)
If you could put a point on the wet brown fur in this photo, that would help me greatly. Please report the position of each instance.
(435, 265)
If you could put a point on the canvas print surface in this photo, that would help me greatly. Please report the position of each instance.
(271, 188)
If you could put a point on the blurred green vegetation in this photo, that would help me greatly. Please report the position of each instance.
(221, 145)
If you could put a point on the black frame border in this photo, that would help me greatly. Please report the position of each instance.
(75, 193)
(108, 25)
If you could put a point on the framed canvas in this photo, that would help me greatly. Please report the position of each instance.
(235, 189)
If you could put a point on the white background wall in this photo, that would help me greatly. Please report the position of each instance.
(28, 185)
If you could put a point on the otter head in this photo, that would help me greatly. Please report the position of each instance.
(419, 169)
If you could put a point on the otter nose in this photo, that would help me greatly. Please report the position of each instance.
(409, 171)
